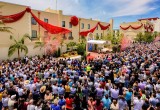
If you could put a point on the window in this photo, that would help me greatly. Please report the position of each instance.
(88, 26)
(33, 21)
(97, 27)
(46, 20)
(70, 25)
(96, 34)
(34, 34)
(45, 33)
(63, 23)
(64, 36)
(82, 25)
(70, 36)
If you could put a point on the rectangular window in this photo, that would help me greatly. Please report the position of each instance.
(70, 34)
(63, 23)
(82, 25)
(97, 27)
(70, 25)
(34, 34)
(88, 26)
(64, 36)
(33, 21)
(96, 34)
(46, 20)
(45, 33)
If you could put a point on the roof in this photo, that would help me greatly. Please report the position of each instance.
(155, 18)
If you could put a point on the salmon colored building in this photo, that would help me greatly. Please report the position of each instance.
(28, 25)
(131, 29)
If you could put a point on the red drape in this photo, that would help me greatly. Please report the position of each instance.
(149, 28)
(50, 28)
(12, 18)
(125, 28)
(133, 27)
(85, 33)
(103, 27)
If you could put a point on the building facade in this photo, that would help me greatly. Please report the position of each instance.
(131, 29)
(28, 25)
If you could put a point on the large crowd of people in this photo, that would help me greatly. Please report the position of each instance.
(126, 80)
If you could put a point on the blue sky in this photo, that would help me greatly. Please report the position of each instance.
(119, 10)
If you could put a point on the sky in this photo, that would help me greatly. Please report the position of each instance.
(120, 10)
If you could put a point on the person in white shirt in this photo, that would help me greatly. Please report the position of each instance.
(20, 90)
(31, 106)
(11, 102)
(114, 105)
(138, 103)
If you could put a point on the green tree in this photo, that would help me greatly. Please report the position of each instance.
(71, 45)
(81, 47)
(155, 34)
(139, 37)
(18, 45)
(148, 37)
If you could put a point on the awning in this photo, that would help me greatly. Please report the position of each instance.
(96, 42)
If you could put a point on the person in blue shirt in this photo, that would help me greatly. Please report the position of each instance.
(128, 97)
(61, 101)
(61, 90)
(55, 105)
(106, 102)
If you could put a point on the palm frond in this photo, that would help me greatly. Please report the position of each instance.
(38, 44)
(11, 50)
(25, 36)
(24, 48)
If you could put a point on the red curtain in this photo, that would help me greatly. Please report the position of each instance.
(149, 28)
(50, 28)
(103, 27)
(85, 33)
(138, 27)
(12, 18)
(130, 26)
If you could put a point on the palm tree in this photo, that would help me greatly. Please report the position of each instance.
(18, 45)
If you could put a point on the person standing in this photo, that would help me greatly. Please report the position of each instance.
(128, 97)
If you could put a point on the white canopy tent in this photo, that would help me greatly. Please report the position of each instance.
(96, 42)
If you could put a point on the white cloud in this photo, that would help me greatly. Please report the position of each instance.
(134, 7)
(99, 9)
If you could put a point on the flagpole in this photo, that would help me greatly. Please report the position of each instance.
(56, 4)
